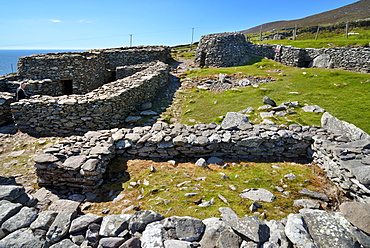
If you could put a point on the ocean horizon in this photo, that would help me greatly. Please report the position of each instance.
(9, 57)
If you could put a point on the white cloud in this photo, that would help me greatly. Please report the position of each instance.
(53, 20)
(83, 21)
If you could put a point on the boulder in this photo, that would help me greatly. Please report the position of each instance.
(252, 228)
(22, 238)
(314, 194)
(322, 61)
(153, 235)
(201, 163)
(306, 203)
(84, 221)
(11, 192)
(358, 214)
(234, 120)
(295, 230)
(327, 231)
(141, 219)
(258, 195)
(185, 228)
(111, 242)
(8, 209)
(114, 225)
(277, 234)
(60, 226)
(23, 218)
(269, 101)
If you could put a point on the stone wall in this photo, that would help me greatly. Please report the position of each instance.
(222, 50)
(214, 50)
(24, 222)
(346, 161)
(5, 100)
(103, 108)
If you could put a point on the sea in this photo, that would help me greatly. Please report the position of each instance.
(9, 58)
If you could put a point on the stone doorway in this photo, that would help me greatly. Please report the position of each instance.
(67, 87)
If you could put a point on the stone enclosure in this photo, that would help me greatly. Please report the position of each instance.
(232, 49)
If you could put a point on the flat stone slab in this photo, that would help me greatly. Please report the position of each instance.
(258, 195)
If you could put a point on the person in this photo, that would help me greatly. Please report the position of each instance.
(21, 93)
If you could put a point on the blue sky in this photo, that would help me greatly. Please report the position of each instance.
(89, 24)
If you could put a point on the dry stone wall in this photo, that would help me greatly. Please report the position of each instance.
(222, 50)
(103, 108)
(346, 161)
(5, 100)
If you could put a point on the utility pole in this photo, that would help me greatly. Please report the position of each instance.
(295, 32)
(261, 32)
(347, 30)
(192, 39)
(317, 33)
(130, 40)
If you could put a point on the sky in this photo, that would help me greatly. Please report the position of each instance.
(92, 24)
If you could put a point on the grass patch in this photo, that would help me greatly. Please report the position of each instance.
(343, 94)
(325, 39)
(164, 190)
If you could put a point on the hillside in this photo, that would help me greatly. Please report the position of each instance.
(353, 12)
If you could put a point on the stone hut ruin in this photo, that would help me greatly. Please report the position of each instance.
(232, 49)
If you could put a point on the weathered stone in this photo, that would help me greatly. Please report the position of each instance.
(65, 243)
(269, 101)
(252, 228)
(177, 244)
(235, 120)
(295, 230)
(45, 158)
(84, 221)
(229, 239)
(44, 220)
(132, 243)
(111, 242)
(325, 230)
(22, 238)
(186, 228)
(277, 234)
(314, 194)
(258, 195)
(228, 215)
(141, 219)
(8, 209)
(362, 173)
(62, 205)
(23, 218)
(250, 142)
(358, 214)
(114, 225)
(153, 235)
(74, 163)
(201, 163)
(60, 226)
(11, 192)
(306, 203)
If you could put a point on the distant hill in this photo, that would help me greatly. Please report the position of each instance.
(350, 13)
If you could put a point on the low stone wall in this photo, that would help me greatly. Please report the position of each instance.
(24, 224)
(214, 51)
(103, 108)
(347, 162)
(5, 100)
(128, 70)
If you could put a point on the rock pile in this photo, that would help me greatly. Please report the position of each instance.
(24, 224)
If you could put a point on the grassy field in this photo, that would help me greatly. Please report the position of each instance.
(164, 190)
(344, 94)
(325, 39)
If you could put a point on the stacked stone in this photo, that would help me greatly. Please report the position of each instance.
(103, 108)
(24, 224)
(128, 70)
(78, 162)
(251, 142)
(5, 100)
(222, 50)
(346, 159)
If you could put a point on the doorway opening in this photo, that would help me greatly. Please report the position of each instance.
(67, 87)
